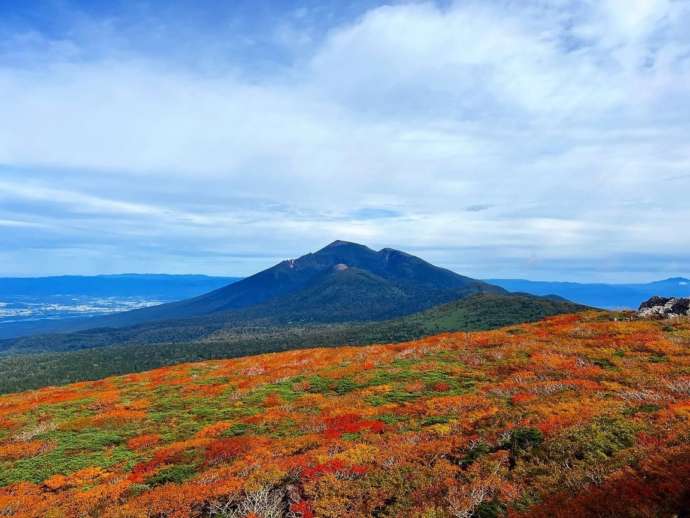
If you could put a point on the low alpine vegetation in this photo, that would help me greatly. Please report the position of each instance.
(572, 416)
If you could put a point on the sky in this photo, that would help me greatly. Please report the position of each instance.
(543, 139)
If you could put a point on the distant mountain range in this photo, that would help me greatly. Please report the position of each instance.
(45, 304)
(166, 287)
(606, 296)
(343, 282)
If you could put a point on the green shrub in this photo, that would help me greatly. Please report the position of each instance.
(524, 439)
(491, 509)
(474, 453)
(173, 474)
(595, 442)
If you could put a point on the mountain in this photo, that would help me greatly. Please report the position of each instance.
(609, 296)
(148, 347)
(673, 287)
(341, 282)
(344, 293)
(346, 276)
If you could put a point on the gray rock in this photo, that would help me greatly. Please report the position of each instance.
(665, 307)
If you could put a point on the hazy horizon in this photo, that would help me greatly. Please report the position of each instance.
(622, 280)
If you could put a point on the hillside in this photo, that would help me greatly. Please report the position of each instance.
(600, 295)
(144, 348)
(575, 416)
(360, 284)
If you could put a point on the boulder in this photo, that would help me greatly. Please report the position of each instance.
(665, 307)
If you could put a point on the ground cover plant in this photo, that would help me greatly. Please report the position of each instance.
(576, 415)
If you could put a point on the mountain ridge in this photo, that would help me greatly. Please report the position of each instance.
(602, 295)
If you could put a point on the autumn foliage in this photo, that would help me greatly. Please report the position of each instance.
(575, 416)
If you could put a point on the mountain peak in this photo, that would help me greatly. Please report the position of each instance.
(339, 243)
(673, 280)
(340, 248)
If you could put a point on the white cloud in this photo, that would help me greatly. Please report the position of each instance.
(563, 119)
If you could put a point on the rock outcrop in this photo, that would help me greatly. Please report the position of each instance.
(665, 307)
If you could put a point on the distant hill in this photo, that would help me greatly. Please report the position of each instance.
(146, 347)
(609, 296)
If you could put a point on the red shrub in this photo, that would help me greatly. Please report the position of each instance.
(335, 466)
(222, 450)
(351, 423)
(303, 508)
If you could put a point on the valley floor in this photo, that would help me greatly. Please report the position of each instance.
(574, 416)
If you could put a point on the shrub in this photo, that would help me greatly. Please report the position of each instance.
(173, 474)
(524, 439)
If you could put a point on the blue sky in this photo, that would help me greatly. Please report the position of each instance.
(541, 139)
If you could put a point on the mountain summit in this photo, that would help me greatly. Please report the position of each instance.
(342, 281)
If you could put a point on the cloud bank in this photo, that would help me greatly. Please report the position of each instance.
(541, 139)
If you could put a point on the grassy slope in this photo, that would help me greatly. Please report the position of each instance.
(28, 371)
(576, 416)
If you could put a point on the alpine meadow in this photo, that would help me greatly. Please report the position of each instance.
(325, 259)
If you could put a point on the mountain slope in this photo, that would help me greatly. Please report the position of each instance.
(348, 294)
(146, 347)
(610, 296)
(487, 311)
(574, 416)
